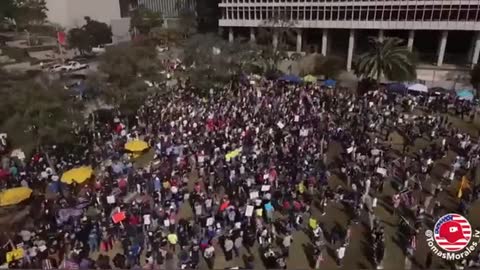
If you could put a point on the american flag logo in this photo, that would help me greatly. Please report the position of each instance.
(452, 232)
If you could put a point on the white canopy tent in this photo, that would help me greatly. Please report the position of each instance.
(418, 87)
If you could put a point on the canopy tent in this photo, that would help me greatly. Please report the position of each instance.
(399, 88)
(465, 95)
(329, 83)
(310, 79)
(78, 175)
(291, 79)
(418, 87)
(14, 195)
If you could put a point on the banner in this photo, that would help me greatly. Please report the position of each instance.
(233, 154)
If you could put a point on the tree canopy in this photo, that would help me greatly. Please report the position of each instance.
(387, 58)
(39, 107)
(91, 34)
(28, 12)
(328, 66)
(143, 20)
(126, 70)
(475, 77)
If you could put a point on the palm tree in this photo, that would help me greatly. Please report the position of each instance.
(387, 58)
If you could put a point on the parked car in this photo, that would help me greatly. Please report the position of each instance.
(99, 49)
(74, 65)
(57, 68)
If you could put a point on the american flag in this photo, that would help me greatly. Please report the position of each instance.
(466, 231)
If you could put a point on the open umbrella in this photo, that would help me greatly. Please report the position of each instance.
(330, 83)
(291, 79)
(79, 175)
(136, 146)
(418, 87)
(14, 195)
(310, 78)
(465, 95)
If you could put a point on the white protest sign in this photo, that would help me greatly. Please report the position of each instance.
(111, 199)
(265, 188)
(249, 211)
(382, 171)
(210, 221)
(254, 195)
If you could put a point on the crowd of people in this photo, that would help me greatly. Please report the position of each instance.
(255, 163)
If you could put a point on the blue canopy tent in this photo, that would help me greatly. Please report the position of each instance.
(465, 95)
(330, 83)
(398, 88)
(290, 79)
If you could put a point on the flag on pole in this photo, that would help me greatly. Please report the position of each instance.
(464, 184)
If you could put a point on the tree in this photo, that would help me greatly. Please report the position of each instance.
(100, 33)
(475, 77)
(387, 58)
(187, 22)
(280, 25)
(208, 14)
(126, 70)
(143, 20)
(79, 39)
(41, 108)
(328, 66)
(91, 34)
(7, 9)
(30, 12)
(165, 36)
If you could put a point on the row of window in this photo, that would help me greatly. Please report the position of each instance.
(373, 13)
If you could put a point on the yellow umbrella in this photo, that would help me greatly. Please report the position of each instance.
(14, 195)
(136, 146)
(79, 175)
(310, 78)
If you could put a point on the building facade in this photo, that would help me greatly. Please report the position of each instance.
(410, 16)
(71, 13)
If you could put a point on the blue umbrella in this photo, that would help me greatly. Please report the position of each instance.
(465, 95)
(397, 88)
(291, 79)
(330, 83)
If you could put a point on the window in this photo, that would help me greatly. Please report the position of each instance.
(308, 13)
(395, 13)
(328, 13)
(349, 13)
(455, 13)
(341, 13)
(472, 13)
(463, 13)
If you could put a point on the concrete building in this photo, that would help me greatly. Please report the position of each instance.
(329, 16)
(71, 13)
(170, 9)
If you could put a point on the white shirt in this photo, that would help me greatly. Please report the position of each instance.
(146, 219)
(341, 252)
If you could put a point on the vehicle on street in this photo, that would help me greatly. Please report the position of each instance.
(57, 68)
(99, 49)
(74, 65)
